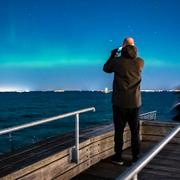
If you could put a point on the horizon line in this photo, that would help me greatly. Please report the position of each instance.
(96, 90)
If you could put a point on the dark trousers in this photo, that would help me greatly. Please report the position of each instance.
(120, 117)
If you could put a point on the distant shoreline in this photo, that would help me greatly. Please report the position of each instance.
(100, 91)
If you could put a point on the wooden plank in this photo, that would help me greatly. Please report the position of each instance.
(108, 134)
(158, 138)
(32, 168)
(35, 148)
(97, 147)
(168, 156)
(33, 157)
(160, 164)
(101, 146)
(50, 160)
(47, 147)
(18, 160)
(159, 161)
(158, 129)
(103, 136)
(74, 171)
(161, 131)
(86, 133)
(159, 123)
(86, 176)
(104, 152)
(102, 155)
(104, 170)
(170, 146)
(149, 175)
(164, 173)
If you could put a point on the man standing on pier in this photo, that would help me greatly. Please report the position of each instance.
(126, 96)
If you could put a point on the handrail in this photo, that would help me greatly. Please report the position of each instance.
(144, 114)
(75, 150)
(149, 115)
(16, 128)
(132, 172)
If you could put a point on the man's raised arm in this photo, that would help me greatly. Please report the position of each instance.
(109, 65)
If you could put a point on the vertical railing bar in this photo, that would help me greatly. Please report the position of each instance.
(77, 138)
(135, 177)
(74, 153)
(11, 141)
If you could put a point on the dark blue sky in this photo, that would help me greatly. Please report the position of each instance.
(50, 44)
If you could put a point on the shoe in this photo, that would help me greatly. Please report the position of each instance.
(117, 160)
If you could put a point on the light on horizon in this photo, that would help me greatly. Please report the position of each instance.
(13, 89)
(106, 90)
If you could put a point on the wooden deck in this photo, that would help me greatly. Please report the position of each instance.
(166, 165)
(50, 159)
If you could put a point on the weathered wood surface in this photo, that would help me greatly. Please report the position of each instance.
(50, 159)
(155, 131)
(166, 165)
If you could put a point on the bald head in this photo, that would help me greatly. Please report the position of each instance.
(128, 41)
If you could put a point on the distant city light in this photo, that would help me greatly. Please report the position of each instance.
(13, 89)
(106, 90)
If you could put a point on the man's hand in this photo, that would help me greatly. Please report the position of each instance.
(114, 52)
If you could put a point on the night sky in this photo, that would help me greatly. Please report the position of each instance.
(52, 44)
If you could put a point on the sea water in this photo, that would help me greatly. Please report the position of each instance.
(21, 108)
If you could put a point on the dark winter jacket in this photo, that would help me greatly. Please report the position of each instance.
(127, 77)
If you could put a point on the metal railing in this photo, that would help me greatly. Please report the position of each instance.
(132, 172)
(148, 116)
(75, 149)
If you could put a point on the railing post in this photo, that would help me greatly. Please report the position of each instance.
(75, 149)
(77, 138)
(74, 154)
(11, 142)
(135, 177)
